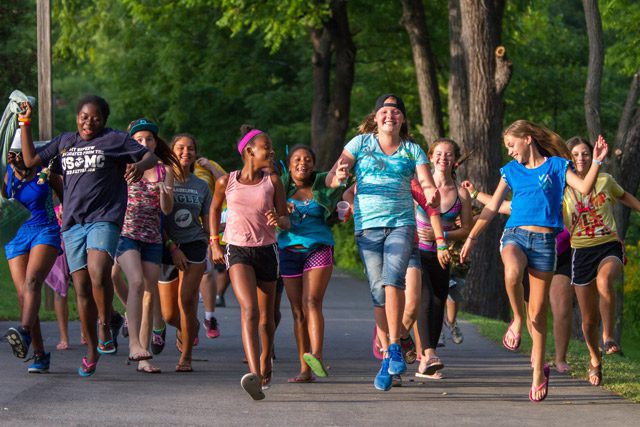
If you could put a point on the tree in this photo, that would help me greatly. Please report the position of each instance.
(488, 72)
(596, 64)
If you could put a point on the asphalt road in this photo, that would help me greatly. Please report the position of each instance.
(484, 384)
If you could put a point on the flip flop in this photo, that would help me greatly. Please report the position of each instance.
(514, 336)
(266, 380)
(62, 345)
(544, 385)
(106, 347)
(149, 370)
(436, 376)
(611, 347)
(183, 368)
(251, 384)
(299, 380)
(433, 365)
(316, 365)
(140, 356)
(87, 369)
(595, 371)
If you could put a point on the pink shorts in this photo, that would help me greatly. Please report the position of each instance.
(294, 263)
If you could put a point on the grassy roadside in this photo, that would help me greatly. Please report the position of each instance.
(621, 374)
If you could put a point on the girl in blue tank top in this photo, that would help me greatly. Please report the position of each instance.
(31, 254)
(536, 177)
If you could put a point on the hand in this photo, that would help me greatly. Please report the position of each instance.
(179, 259)
(426, 234)
(468, 185)
(272, 217)
(600, 149)
(291, 208)
(466, 249)
(133, 173)
(433, 199)
(205, 163)
(164, 188)
(26, 111)
(342, 171)
(444, 258)
(216, 253)
(347, 215)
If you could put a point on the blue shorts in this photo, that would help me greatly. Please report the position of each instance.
(385, 253)
(149, 252)
(101, 236)
(29, 236)
(414, 259)
(540, 248)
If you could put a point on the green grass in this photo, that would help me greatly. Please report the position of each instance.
(621, 374)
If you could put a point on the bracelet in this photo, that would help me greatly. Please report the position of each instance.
(24, 119)
(213, 238)
(597, 162)
(25, 124)
(474, 194)
(443, 248)
(440, 238)
(472, 238)
(446, 235)
(168, 243)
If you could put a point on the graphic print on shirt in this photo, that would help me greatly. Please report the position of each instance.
(545, 181)
(80, 160)
(185, 196)
(586, 218)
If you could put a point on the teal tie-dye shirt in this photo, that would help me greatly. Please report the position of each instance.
(383, 197)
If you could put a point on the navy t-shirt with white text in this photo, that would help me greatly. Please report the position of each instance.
(94, 185)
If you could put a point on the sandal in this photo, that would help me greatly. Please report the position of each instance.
(315, 364)
(87, 369)
(184, 367)
(251, 384)
(266, 380)
(149, 370)
(106, 347)
(515, 337)
(62, 345)
(300, 380)
(611, 347)
(544, 385)
(137, 357)
(595, 372)
(432, 365)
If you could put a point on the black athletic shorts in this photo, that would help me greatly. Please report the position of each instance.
(586, 261)
(263, 259)
(196, 253)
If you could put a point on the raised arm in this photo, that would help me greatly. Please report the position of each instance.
(585, 185)
(339, 173)
(166, 192)
(29, 156)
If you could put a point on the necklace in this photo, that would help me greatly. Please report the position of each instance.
(301, 211)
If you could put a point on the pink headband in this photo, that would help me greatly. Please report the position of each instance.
(245, 139)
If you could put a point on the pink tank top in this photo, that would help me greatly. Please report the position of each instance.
(246, 209)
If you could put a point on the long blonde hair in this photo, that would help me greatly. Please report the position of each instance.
(547, 141)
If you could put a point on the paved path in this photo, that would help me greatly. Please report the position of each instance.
(484, 385)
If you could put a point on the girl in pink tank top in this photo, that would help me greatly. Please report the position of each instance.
(256, 204)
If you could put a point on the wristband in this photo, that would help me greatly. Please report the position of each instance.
(597, 162)
(443, 247)
(440, 238)
(25, 124)
(24, 119)
(446, 235)
(213, 238)
(168, 243)
(474, 194)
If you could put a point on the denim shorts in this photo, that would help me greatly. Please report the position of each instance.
(29, 236)
(414, 259)
(149, 252)
(540, 248)
(385, 253)
(101, 236)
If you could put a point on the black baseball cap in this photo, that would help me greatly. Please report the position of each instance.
(398, 104)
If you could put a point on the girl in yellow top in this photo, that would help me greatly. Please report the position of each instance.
(598, 252)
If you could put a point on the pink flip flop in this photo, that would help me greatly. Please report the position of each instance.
(513, 335)
(544, 385)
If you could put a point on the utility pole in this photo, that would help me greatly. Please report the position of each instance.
(45, 106)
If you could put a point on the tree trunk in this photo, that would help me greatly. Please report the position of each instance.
(594, 71)
(458, 97)
(488, 73)
(415, 23)
(331, 97)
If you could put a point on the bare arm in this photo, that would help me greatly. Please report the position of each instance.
(425, 178)
(215, 210)
(55, 181)
(484, 198)
(585, 185)
(466, 219)
(340, 170)
(166, 192)
(280, 203)
(29, 156)
(630, 201)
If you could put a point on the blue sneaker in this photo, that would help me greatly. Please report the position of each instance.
(40, 363)
(20, 340)
(396, 360)
(383, 379)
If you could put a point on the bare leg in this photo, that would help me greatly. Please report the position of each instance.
(99, 265)
(188, 304)
(609, 274)
(514, 261)
(588, 302)
(61, 306)
(561, 298)
(293, 287)
(412, 299)
(243, 280)
(538, 303)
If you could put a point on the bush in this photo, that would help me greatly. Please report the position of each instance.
(631, 313)
(346, 252)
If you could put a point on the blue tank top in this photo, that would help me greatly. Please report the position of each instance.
(35, 197)
(308, 228)
(537, 193)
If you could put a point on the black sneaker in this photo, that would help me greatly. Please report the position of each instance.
(125, 327)
(116, 323)
(158, 340)
(19, 340)
(220, 302)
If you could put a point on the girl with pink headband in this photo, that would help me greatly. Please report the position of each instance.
(256, 205)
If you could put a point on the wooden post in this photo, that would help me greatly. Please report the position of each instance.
(45, 107)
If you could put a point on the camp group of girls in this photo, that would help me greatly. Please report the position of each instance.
(131, 198)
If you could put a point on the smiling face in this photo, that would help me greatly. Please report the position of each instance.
(443, 157)
(389, 119)
(581, 155)
(146, 139)
(301, 164)
(90, 121)
(185, 150)
(518, 148)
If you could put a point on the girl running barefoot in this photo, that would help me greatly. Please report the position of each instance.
(537, 177)
(598, 252)
(97, 163)
(256, 204)
(32, 252)
(187, 229)
(306, 255)
(385, 160)
(139, 252)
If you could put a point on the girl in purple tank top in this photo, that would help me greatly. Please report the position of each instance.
(256, 204)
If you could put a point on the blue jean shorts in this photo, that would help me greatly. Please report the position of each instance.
(540, 248)
(29, 236)
(385, 253)
(101, 236)
(414, 259)
(149, 252)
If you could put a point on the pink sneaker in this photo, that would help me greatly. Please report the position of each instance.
(211, 326)
(377, 351)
